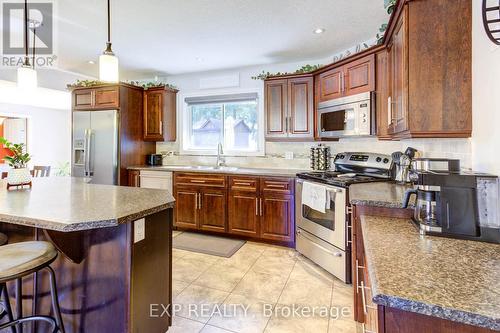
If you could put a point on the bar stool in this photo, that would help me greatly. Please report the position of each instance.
(17, 261)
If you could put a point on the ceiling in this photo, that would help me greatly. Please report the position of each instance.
(165, 37)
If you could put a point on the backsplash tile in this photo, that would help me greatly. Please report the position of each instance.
(275, 152)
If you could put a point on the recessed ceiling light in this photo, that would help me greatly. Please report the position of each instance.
(199, 59)
(319, 31)
(92, 62)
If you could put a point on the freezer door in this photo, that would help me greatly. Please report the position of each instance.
(79, 158)
(103, 144)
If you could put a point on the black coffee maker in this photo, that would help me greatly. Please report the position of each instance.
(458, 205)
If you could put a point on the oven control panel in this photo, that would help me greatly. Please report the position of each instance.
(370, 160)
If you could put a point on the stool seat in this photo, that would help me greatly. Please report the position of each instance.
(19, 258)
(3, 239)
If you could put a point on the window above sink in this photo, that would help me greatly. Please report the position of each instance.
(234, 120)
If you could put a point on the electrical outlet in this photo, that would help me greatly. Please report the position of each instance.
(289, 155)
(139, 230)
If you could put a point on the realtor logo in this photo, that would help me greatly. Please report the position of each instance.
(40, 33)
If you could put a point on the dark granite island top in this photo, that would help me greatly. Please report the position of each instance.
(379, 194)
(451, 279)
(69, 204)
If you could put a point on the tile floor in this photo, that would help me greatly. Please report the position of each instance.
(269, 281)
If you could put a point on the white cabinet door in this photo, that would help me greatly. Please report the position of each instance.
(156, 179)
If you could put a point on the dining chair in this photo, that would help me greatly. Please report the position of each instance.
(40, 171)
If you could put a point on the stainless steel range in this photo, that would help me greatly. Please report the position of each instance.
(323, 232)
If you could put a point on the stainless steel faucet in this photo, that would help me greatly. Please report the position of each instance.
(221, 161)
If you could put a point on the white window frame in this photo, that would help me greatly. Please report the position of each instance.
(185, 121)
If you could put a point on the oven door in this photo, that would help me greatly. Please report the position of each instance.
(329, 226)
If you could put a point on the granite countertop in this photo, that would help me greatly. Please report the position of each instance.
(380, 194)
(69, 204)
(223, 170)
(448, 278)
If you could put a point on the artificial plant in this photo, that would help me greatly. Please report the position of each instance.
(19, 159)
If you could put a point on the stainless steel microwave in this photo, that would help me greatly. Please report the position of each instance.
(347, 116)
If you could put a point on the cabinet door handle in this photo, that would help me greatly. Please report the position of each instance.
(161, 127)
(363, 298)
(363, 325)
(342, 82)
(358, 266)
(261, 207)
(286, 124)
(199, 194)
(257, 206)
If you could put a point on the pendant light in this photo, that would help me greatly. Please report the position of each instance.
(108, 62)
(26, 74)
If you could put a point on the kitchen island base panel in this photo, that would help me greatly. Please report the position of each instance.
(111, 285)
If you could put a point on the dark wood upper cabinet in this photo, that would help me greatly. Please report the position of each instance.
(353, 78)
(429, 70)
(359, 76)
(382, 95)
(106, 97)
(83, 99)
(99, 98)
(330, 86)
(398, 110)
(289, 108)
(301, 107)
(276, 101)
(160, 114)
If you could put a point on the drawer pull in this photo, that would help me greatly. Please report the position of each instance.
(242, 184)
(275, 186)
(197, 181)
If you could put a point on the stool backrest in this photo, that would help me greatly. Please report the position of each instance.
(41, 171)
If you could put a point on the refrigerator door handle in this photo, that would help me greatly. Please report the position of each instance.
(87, 153)
(91, 163)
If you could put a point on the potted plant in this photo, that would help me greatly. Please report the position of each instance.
(18, 161)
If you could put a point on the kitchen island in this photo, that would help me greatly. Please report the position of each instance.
(115, 247)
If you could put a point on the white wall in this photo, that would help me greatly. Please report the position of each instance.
(49, 121)
(485, 97)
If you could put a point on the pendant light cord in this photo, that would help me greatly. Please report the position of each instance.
(34, 46)
(26, 58)
(109, 22)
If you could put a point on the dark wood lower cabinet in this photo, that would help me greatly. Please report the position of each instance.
(186, 207)
(212, 209)
(277, 218)
(258, 208)
(243, 214)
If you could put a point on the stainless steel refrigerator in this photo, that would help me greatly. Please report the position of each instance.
(95, 146)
